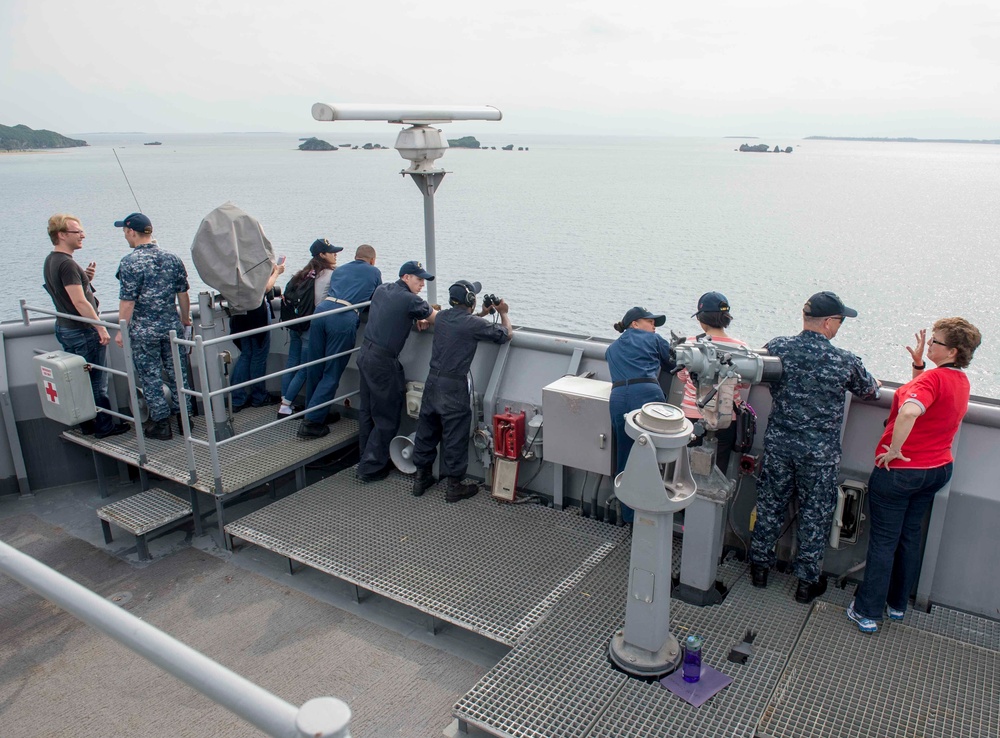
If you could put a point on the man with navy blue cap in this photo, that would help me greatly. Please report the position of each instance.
(445, 412)
(154, 287)
(802, 441)
(396, 307)
(334, 334)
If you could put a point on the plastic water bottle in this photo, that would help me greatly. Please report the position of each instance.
(692, 658)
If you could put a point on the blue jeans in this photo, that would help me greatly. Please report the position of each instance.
(328, 336)
(251, 364)
(84, 342)
(897, 500)
(298, 350)
(624, 400)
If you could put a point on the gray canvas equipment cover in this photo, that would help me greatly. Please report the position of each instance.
(233, 256)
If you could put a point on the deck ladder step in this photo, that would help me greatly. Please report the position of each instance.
(143, 513)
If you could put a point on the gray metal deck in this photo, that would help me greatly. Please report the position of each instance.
(558, 682)
(245, 463)
(489, 567)
(902, 682)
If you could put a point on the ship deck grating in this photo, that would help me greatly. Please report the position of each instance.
(490, 567)
(558, 681)
(901, 682)
(146, 511)
(245, 463)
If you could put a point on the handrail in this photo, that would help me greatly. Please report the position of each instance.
(55, 313)
(122, 327)
(282, 324)
(322, 717)
(198, 346)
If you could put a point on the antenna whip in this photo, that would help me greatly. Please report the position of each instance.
(126, 180)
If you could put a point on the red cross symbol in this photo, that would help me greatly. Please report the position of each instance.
(50, 390)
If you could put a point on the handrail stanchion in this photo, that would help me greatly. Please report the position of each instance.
(182, 404)
(140, 437)
(24, 311)
(213, 447)
(212, 377)
(10, 425)
(324, 717)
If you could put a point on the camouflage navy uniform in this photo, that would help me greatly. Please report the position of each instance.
(151, 278)
(802, 445)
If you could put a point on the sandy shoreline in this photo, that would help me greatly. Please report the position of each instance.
(29, 151)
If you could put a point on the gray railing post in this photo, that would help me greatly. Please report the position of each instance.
(133, 391)
(10, 424)
(182, 403)
(213, 444)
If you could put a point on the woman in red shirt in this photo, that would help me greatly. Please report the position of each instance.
(912, 462)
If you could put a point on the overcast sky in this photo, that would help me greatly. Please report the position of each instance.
(705, 67)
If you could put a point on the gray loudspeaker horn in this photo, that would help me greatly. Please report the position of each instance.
(401, 453)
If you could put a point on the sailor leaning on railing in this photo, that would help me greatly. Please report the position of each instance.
(445, 410)
(334, 335)
(396, 307)
(802, 445)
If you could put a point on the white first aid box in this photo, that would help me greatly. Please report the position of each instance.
(64, 387)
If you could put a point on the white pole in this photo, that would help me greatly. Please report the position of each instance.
(325, 717)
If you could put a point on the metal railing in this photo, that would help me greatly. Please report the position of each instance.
(199, 348)
(322, 717)
(129, 373)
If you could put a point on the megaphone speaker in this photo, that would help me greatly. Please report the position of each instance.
(401, 453)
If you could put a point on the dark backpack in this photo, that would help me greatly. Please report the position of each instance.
(298, 301)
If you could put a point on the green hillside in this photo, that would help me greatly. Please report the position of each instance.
(22, 138)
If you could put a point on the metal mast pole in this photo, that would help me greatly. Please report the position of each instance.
(428, 182)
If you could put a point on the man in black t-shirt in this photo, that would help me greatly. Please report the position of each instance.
(70, 287)
(445, 412)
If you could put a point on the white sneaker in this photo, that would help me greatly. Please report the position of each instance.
(865, 625)
(285, 409)
(895, 614)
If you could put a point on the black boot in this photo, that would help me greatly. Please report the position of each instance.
(459, 490)
(308, 429)
(758, 575)
(806, 592)
(424, 481)
(158, 429)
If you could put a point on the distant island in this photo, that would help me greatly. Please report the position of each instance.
(22, 138)
(904, 140)
(471, 142)
(466, 142)
(316, 144)
(761, 148)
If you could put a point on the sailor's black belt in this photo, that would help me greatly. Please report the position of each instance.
(446, 375)
(639, 380)
(376, 349)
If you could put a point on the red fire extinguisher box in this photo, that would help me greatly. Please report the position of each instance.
(508, 434)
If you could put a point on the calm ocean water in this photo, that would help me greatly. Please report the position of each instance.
(576, 230)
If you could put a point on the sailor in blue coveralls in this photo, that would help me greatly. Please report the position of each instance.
(445, 413)
(334, 334)
(394, 309)
(635, 360)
